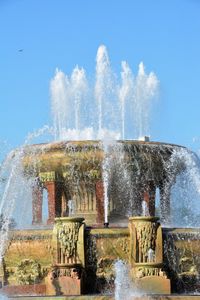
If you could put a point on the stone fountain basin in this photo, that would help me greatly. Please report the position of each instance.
(77, 165)
(60, 155)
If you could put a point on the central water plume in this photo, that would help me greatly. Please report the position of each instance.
(125, 92)
(118, 106)
(109, 109)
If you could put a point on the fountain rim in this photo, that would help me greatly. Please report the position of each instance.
(59, 145)
(144, 219)
(69, 219)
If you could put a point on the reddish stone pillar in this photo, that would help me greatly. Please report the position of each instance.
(55, 190)
(37, 204)
(149, 197)
(53, 182)
(100, 202)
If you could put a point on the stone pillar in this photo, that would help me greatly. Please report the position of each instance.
(37, 203)
(149, 197)
(146, 255)
(69, 258)
(54, 185)
(99, 202)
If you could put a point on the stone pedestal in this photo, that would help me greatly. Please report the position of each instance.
(67, 272)
(146, 255)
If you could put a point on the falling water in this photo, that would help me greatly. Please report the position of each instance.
(145, 209)
(124, 288)
(16, 190)
(185, 194)
(106, 168)
(71, 207)
(12, 173)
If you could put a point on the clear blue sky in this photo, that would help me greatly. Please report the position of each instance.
(165, 35)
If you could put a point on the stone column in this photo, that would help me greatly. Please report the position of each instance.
(149, 197)
(54, 185)
(146, 255)
(69, 258)
(37, 203)
(51, 189)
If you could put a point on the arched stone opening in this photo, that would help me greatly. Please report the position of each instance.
(45, 211)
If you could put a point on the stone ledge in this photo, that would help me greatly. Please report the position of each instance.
(98, 297)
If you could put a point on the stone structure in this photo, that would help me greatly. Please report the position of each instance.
(72, 171)
(146, 255)
(78, 255)
(67, 273)
(53, 183)
(102, 248)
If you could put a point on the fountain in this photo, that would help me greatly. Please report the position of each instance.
(90, 224)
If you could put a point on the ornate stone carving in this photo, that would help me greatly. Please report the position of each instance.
(143, 271)
(69, 241)
(49, 176)
(68, 237)
(64, 281)
(28, 272)
(187, 265)
(105, 266)
(124, 244)
(146, 239)
(74, 273)
(146, 255)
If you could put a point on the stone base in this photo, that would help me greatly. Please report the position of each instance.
(62, 285)
(154, 285)
(103, 297)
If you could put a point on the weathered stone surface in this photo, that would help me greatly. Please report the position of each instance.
(154, 285)
(24, 290)
(31, 245)
(182, 258)
(146, 256)
(102, 247)
(68, 283)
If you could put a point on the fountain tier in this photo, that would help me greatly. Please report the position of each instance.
(71, 172)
